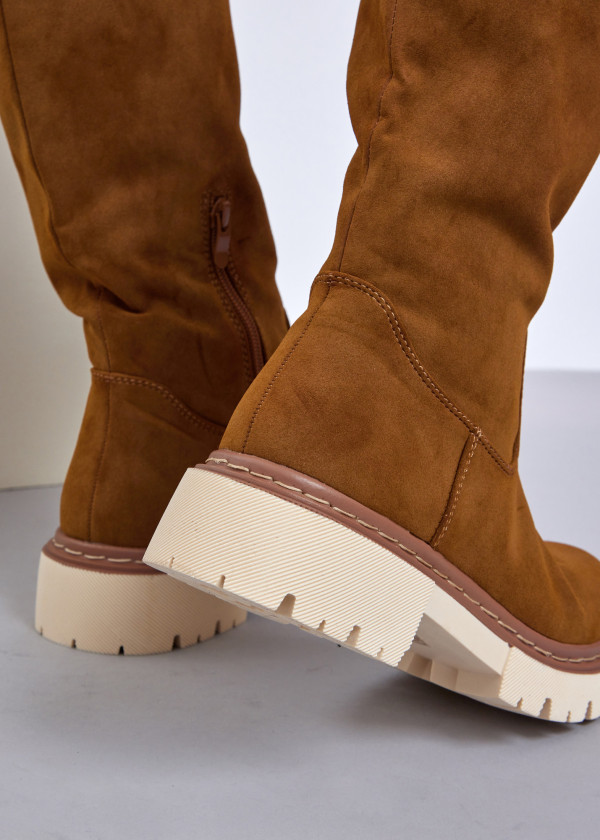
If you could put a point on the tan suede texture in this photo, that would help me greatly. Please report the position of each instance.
(123, 120)
(477, 123)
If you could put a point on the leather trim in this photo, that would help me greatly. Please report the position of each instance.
(97, 557)
(312, 494)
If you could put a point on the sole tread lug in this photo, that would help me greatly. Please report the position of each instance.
(80, 609)
(395, 613)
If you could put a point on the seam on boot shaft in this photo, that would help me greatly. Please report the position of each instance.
(241, 435)
(135, 442)
(415, 362)
(457, 486)
(100, 461)
(274, 399)
(180, 406)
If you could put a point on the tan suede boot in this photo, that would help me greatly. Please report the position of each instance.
(367, 484)
(123, 120)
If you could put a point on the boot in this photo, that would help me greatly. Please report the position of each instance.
(123, 120)
(368, 481)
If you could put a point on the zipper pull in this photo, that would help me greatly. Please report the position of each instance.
(221, 240)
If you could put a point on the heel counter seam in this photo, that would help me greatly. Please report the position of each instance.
(136, 381)
(331, 279)
(462, 470)
(98, 470)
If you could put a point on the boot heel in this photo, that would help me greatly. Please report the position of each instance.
(278, 559)
(268, 539)
(102, 599)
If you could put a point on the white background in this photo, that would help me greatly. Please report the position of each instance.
(293, 61)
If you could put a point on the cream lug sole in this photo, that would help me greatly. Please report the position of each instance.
(236, 536)
(114, 612)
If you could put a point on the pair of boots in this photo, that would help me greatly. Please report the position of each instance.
(366, 486)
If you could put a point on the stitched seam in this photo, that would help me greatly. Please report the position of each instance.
(95, 485)
(120, 379)
(93, 495)
(214, 279)
(430, 566)
(456, 494)
(95, 556)
(450, 492)
(382, 302)
(375, 124)
(517, 442)
(269, 387)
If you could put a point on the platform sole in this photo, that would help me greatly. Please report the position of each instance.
(119, 611)
(234, 535)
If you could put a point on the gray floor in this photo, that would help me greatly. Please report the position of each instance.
(269, 733)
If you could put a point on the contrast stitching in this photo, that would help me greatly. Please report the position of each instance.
(370, 143)
(121, 379)
(382, 302)
(457, 493)
(269, 387)
(227, 463)
(95, 556)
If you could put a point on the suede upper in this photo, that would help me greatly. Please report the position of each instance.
(123, 119)
(477, 124)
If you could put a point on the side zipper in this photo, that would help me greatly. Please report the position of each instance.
(220, 231)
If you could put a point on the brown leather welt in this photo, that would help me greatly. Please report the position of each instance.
(314, 495)
(137, 381)
(97, 557)
(407, 348)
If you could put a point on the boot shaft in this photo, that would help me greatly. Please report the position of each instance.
(123, 120)
(477, 124)
(400, 387)
(124, 124)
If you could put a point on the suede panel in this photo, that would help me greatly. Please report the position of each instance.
(344, 405)
(481, 125)
(476, 123)
(554, 588)
(123, 119)
(136, 441)
(242, 418)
